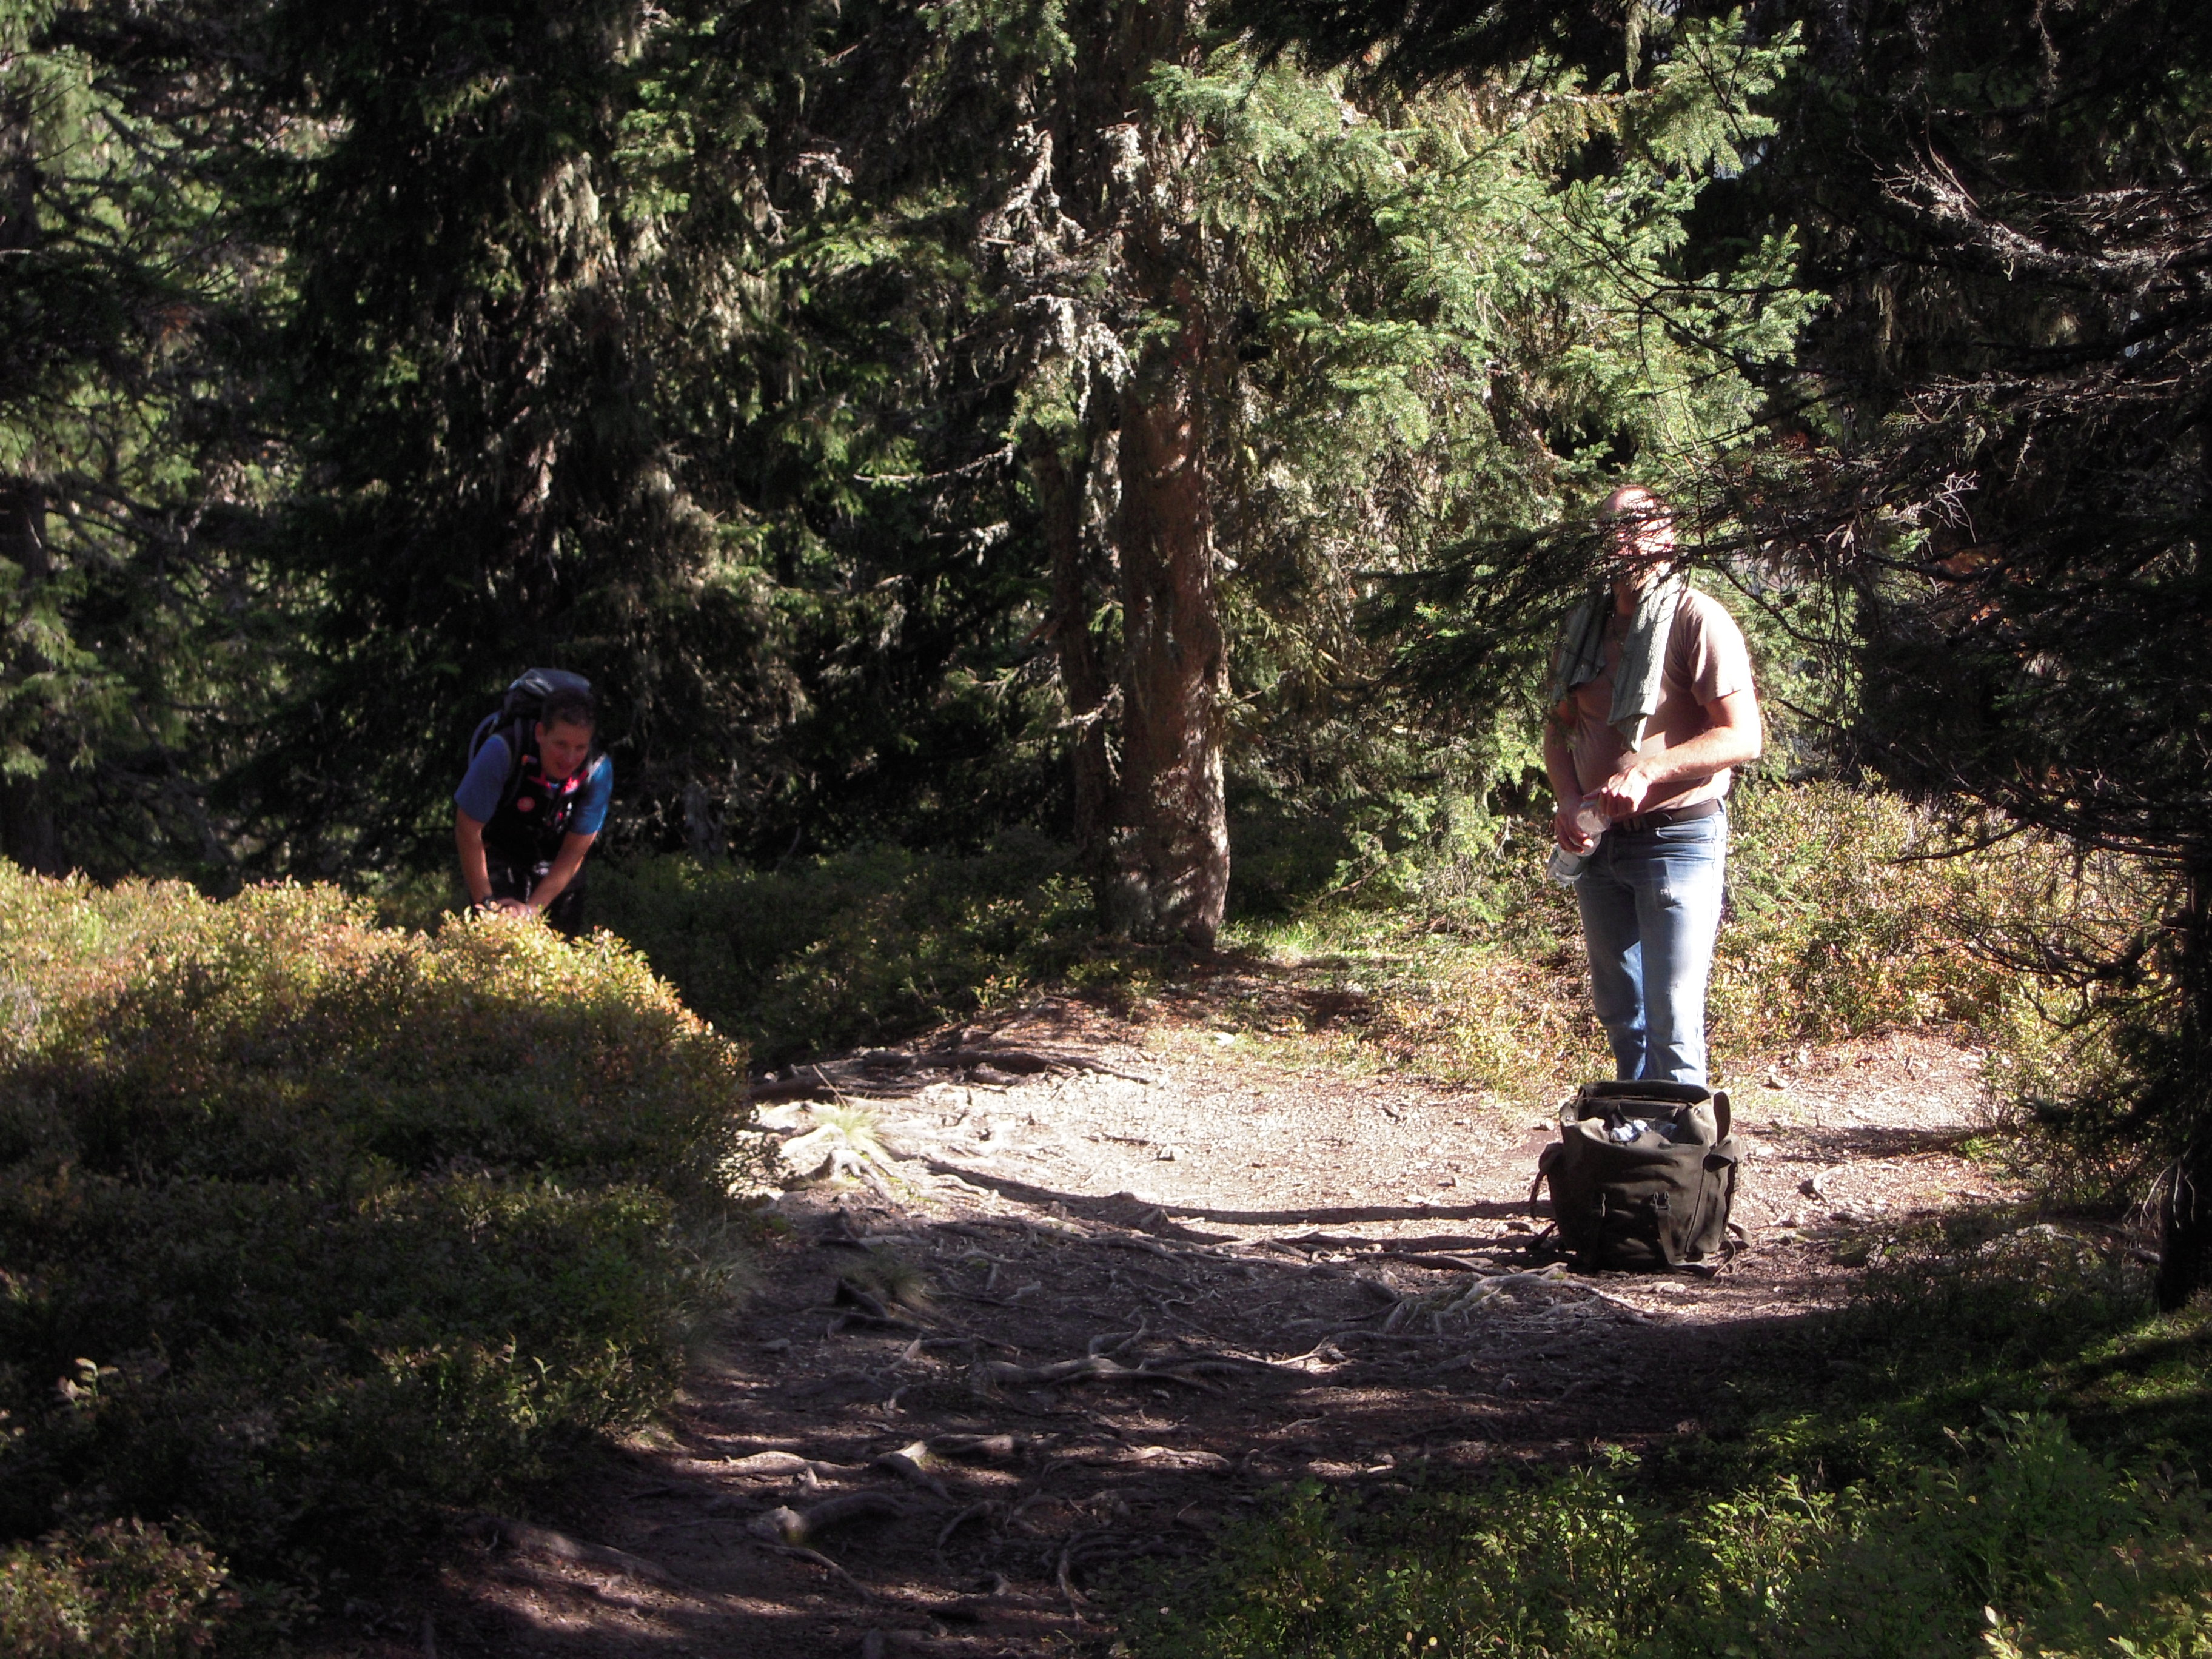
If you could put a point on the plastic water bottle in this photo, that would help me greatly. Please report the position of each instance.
(1566, 867)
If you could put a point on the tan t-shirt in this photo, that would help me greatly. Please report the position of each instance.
(1706, 660)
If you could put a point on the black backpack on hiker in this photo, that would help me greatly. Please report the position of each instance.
(516, 717)
(1642, 1175)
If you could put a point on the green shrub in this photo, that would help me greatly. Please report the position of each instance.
(860, 946)
(1934, 1499)
(1839, 925)
(120, 1590)
(309, 1229)
(2022, 1533)
(284, 1039)
(2067, 1552)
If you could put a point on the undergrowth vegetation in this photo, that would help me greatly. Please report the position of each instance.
(2007, 1464)
(311, 1232)
(1460, 960)
(856, 946)
(1840, 924)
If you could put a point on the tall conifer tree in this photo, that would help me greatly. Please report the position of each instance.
(1998, 453)
(130, 605)
(1275, 340)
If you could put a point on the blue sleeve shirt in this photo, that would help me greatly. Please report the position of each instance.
(478, 795)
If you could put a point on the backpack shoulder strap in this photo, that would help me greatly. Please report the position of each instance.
(512, 735)
(1547, 1161)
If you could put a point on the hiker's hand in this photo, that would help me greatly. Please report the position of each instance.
(1623, 794)
(505, 906)
(1569, 833)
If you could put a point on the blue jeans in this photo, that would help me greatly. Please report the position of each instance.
(1651, 903)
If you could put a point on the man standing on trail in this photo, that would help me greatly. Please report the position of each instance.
(1653, 705)
(523, 824)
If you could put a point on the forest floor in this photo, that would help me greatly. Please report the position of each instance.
(1081, 1318)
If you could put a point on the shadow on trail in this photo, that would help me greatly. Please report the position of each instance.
(989, 1412)
(1124, 1210)
(1868, 1144)
(953, 1423)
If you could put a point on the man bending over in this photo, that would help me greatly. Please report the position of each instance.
(524, 823)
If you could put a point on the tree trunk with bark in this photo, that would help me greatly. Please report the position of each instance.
(1167, 875)
(27, 830)
(1123, 495)
(1061, 488)
(2185, 1207)
(26, 818)
(2184, 1227)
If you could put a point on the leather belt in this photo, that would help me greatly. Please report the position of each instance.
(1667, 815)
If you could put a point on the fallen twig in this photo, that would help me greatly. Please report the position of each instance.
(890, 1074)
(1148, 1245)
(1623, 1302)
(1431, 1259)
(1092, 1368)
(1330, 1341)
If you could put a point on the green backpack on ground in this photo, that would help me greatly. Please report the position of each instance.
(1642, 1175)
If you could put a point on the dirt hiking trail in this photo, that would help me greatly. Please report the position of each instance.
(1111, 1282)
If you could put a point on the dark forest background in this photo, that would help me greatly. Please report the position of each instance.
(1160, 429)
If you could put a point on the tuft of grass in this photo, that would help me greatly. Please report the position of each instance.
(890, 1277)
(844, 1143)
(311, 1230)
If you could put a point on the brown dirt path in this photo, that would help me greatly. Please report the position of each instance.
(1094, 1315)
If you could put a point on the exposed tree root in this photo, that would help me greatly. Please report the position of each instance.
(911, 1463)
(786, 1525)
(983, 1448)
(1075, 1598)
(891, 1073)
(1092, 1368)
(784, 1462)
(529, 1539)
(973, 1511)
(815, 1558)
(1113, 1342)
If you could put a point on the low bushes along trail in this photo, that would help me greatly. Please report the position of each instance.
(1092, 1314)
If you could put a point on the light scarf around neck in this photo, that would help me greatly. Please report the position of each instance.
(1642, 653)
